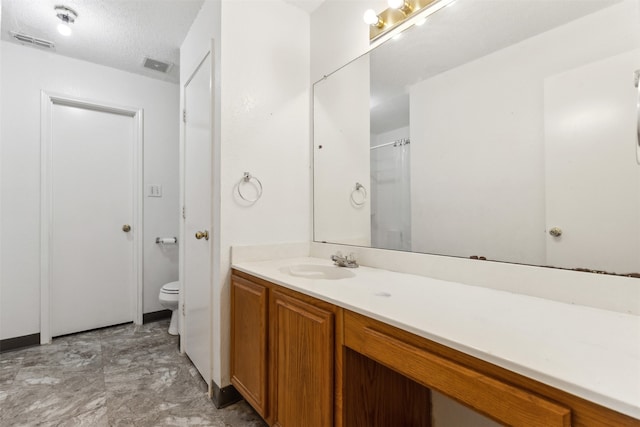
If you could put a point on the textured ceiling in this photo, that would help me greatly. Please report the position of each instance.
(115, 33)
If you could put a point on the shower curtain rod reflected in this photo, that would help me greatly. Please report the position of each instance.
(397, 143)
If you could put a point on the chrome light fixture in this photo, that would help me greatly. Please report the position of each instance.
(67, 16)
(398, 12)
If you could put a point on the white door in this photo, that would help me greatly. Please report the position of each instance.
(91, 184)
(590, 124)
(198, 219)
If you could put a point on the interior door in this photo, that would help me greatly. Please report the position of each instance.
(198, 219)
(91, 241)
(590, 124)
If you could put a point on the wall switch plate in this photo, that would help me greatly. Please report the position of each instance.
(154, 190)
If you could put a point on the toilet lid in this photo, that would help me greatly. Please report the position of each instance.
(171, 288)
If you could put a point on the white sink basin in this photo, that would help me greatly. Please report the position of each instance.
(322, 272)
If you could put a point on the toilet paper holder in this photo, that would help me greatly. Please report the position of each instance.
(167, 240)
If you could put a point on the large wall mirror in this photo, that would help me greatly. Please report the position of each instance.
(498, 130)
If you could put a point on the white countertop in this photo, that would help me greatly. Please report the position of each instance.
(588, 352)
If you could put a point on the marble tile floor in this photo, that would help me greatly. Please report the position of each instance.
(121, 376)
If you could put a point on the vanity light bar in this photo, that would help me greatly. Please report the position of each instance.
(391, 18)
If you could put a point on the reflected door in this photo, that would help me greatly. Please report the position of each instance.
(592, 176)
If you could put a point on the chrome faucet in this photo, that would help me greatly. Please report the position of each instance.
(349, 261)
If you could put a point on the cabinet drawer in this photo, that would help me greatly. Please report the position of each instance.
(498, 400)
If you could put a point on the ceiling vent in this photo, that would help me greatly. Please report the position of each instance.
(24, 38)
(154, 64)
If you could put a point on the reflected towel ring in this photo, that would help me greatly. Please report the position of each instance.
(246, 178)
(359, 189)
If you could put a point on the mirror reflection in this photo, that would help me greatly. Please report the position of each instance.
(498, 130)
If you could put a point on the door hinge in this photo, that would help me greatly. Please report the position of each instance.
(184, 214)
(183, 310)
(184, 116)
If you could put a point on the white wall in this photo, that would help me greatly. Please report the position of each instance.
(477, 134)
(338, 34)
(341, 128)
(461, 154)
(262, 104)
(25, 72)
(265, 130)
(389, 136)
(448, 413)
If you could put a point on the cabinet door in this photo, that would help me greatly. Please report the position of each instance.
(249, 342)
(302, 339)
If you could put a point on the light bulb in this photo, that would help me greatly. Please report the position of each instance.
(400, 5)
(64, 29)
(371, 17)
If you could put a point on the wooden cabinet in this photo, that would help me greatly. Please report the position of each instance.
(282, 353)
(302, 341)
(496, 399)
(503, 395)
(377, 396)
(300, 361)
(249, 329)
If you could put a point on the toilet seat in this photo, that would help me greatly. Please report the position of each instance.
(172, 288)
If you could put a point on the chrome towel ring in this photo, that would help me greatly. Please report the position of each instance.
(246, 179)
(360, 189)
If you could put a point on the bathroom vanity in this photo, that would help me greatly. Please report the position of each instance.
(308, 348)
(500, 131)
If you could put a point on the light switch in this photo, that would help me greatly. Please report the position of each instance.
(154, 190)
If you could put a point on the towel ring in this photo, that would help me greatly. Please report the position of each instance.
(247, 178)
(359, 189)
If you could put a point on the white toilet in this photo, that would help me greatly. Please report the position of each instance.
(169, 295)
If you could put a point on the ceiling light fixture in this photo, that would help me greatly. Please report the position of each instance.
(67, 16)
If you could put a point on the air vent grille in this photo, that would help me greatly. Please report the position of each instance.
(25, 38)
(156, 65)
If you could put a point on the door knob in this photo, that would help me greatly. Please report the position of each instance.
(126, 228)
(201, 234)
(556, 232)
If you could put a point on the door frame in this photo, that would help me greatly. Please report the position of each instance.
(47, 101)
(208, 55)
